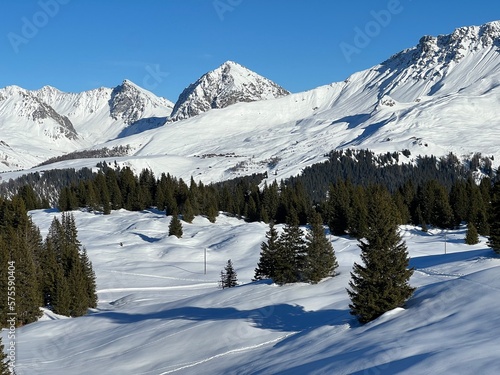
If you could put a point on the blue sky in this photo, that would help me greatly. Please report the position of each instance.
(164, 45)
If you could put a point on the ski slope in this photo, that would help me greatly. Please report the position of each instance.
(159, 313)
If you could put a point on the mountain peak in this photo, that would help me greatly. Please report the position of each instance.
(228, 84)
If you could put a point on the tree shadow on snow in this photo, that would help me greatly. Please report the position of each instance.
(436, 260)
(147, 238)
(281, 317)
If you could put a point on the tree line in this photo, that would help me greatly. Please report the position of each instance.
(55, 273)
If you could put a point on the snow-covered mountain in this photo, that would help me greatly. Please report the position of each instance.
(438, 97)
(230, 83)
(43, 123)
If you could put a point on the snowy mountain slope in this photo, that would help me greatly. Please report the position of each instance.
(104, 113)
(438, 97)
(230, 83)
(160, 314)
(47, 122)
(28, 125)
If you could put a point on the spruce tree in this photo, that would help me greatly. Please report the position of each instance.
(89, 279)
(28, 296)
(115, 194)
(472, 237)
(4, 264)
(381, 284)
(266, 268)
(77, 284)
(338, 208)
(4, 365)
(290, 255)
(187, 212)
(175, 226)
(229, 278)
(320, 260)
(73, 278)
(494, 237)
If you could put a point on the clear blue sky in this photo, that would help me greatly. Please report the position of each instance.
(164, 45)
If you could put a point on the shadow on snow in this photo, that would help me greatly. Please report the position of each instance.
(281, 317)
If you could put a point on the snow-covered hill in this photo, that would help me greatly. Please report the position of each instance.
(230, 83)
(438, 97)
(159, 313)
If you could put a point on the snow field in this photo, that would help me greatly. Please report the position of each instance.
(160, 314)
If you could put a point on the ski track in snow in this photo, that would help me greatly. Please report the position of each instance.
(150, 288)
(156, 276)
(229, 352)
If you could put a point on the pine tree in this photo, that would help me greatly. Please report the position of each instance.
(77, 284)
(290, 255)
(61, 298)
(381, 284)
(266, 268)
(494, 238)
(28, 296)
(4, 259)
(72, 288)
(89, 279)
(320, 260)
(115, 194)
(4, 365)
(187, 212)
(472, 237)
(229, 278)
(338, 208)
(175, 226)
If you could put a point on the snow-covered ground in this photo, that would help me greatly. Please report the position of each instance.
(159, 313)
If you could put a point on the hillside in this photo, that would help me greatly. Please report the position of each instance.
(160, 314)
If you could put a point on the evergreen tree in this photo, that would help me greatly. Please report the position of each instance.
(494, 237)
(459, 202)
(4, 282)
(290, 255)
(28, 297)
(89, 279)
(4, 365)
(472, 237)
(229, 278)
(338, 208)
(175, 226)
(73, 279)
(266, 268)
(60, 299)
(477, 212)
(320, 260)
(77, 284)
(28, 195)
(381, 284)
(356, 221)
(187, 212)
